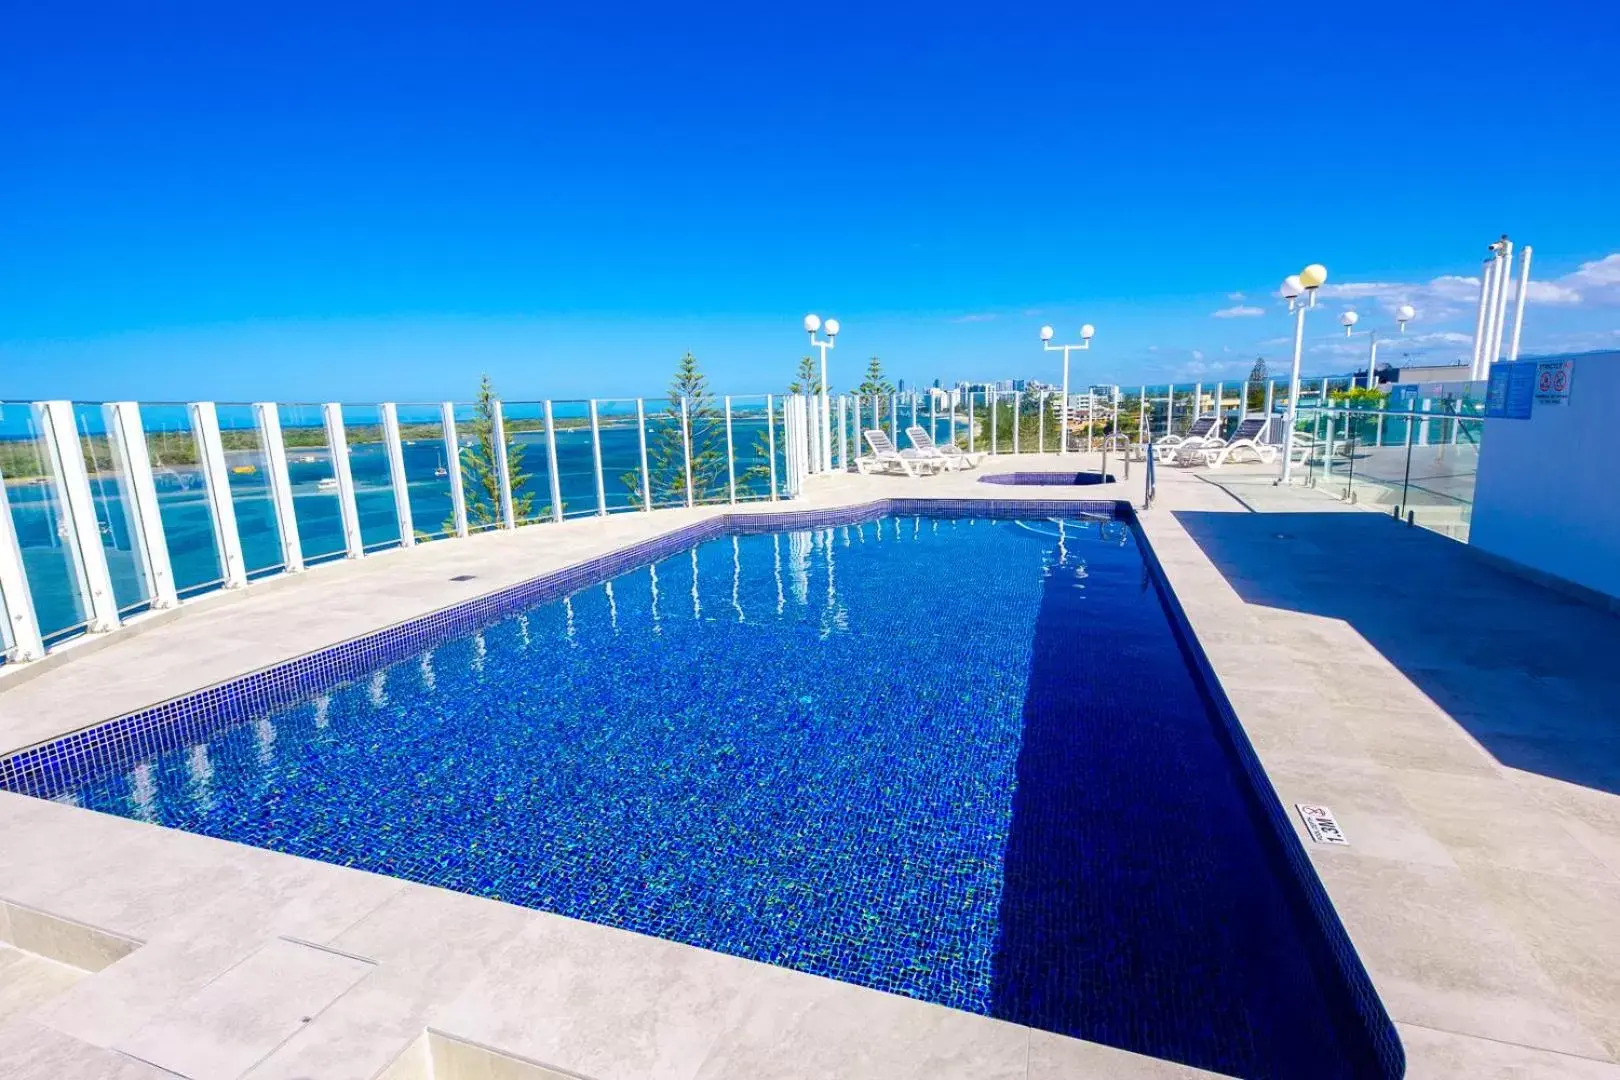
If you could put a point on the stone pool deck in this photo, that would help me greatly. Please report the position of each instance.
(1459, 721)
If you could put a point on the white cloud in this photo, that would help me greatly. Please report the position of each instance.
(977, 317)
(1234, 296)
(1595, 283)
(1198, 354)
(1240, 311)
(1600, 273)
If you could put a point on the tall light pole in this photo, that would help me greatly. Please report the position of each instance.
(1307, 281)
(812, 323)
(1086, 333)
(1403, 315)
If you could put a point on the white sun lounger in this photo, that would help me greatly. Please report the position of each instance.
(953, 456)
(885, 457)
(1165, 447)
(1248, 441)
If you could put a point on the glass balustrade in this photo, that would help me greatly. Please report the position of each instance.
(113, 498)
(313, 482)
(252, 498)
(39, 519)
(184, 505)
(372, 476)
(427, 470)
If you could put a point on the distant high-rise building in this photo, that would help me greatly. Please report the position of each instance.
(900, 386)
(936, 384)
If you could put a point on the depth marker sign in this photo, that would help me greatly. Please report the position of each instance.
(1321, 824)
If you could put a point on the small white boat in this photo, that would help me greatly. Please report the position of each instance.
(327, 484)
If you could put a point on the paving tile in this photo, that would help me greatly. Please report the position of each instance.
(809, 1027)
(1441, 956)
(1572, 928)
(1445, 1055)
(28, 981)
(1055, 1057)
(1366, 801)
(238, 1019)
(31, 1051)
(1492, 820)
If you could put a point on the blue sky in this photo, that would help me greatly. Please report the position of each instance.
(358, 201)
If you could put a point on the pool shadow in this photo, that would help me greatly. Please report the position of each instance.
(1146, 903)
(1525, 670)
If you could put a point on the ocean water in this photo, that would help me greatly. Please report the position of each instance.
(961, 760)
(189, 522)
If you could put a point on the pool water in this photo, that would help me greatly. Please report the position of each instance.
(960, 760)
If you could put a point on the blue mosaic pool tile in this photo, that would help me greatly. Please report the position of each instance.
(996, 774)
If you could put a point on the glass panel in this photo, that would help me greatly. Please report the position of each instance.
(110, 492)
(314, 484)
(373, 482)
(427, 470)
(752, 446)
(621, 455)
(576, 466)
(249, 477)
(182, 493)
(526, 458)
(37, 515)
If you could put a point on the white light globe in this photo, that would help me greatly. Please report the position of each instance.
(832, 327)
(1046, 333)
(1349, 319)
(1313, 275)
(1405, 312)
(1291, 286)
(812, 323)
(1087, 332)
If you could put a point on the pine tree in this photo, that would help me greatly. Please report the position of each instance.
(1257, 385)
(480, 483)
(875, 382)
(807, 380)
(666, 445)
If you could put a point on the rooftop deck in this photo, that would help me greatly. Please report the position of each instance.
(1457, 719)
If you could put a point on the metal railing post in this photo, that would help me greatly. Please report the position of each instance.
(503, 470)
(396, 473)
(731, 461)
(217, 481)
(1170, 410)
(596, 461)
(770, 437)
(972, 423)
(337, 442)
(641, 434)
(128, 438)
(552, 473)
(686, 446)
(20, 639)
(268, 416)
(1040, 422)
(452, 468)
(993, 432)
(843, 434)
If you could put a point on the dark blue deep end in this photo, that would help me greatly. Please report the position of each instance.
(961, 760)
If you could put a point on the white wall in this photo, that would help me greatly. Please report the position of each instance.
(1548, 493)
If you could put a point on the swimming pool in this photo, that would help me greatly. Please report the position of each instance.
(963, 759)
